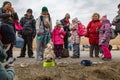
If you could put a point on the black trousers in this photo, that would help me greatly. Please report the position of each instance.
(27, 42)
(94, 48)
(10, 52)
(66, 42)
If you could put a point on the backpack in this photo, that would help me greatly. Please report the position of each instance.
(7, 33)
(65, 53)
(19, 42)
(86, 62)
(113, 34)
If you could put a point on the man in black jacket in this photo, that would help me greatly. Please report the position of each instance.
(28, 33)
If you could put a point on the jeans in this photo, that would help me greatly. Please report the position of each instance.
(40, 47)
(76, 50)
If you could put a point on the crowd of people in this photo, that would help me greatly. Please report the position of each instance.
(98, 31)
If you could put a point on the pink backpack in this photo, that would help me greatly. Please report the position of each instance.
(82, 31)
(18, 27)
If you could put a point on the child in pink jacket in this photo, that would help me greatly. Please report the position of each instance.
(58, 39)
(75, 38)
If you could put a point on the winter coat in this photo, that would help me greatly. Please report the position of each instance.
(66, 28)
(4, 17)
(58, 36)
(116, 20)
(75, 38)
(7, 33)
(105, 32)
(5, 74)
(28, 22)
(93, 31)
(40, 25)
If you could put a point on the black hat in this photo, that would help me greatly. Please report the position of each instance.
(118, 5)
(29, 10)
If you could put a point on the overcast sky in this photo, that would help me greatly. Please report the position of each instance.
(83, 9)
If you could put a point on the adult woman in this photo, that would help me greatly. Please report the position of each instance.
(66, 24)
(44, 27)
(7, 18)
(93, 34)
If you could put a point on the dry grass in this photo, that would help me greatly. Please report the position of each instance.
(106, 71)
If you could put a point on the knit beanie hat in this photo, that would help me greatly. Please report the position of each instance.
(75, 20)
(67, 15)
(44, 9)
(58, 22)
(104, 18)
(29, 10)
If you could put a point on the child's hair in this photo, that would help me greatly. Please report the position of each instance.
(96, 14)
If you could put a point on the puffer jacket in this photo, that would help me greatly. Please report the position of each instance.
(105, 32)
(4, 17)
(28, 22)
(58, 36)
(116, 20)
(75, 38)
(93, 31)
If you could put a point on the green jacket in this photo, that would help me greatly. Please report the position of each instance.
(5, 74)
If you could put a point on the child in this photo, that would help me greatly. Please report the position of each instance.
(58, 39)
(93, 34)
(75, 38)
(104, 38)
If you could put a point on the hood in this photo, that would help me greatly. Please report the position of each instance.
(106, 22)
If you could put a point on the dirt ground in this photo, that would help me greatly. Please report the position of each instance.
(34, 70)
(71, 71)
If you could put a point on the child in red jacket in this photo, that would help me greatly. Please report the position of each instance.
(93, 34)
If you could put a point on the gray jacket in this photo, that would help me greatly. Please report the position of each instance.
(116, 20)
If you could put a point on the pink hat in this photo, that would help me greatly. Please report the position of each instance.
(104, 18)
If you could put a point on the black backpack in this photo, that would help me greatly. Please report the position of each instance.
(7, 33)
